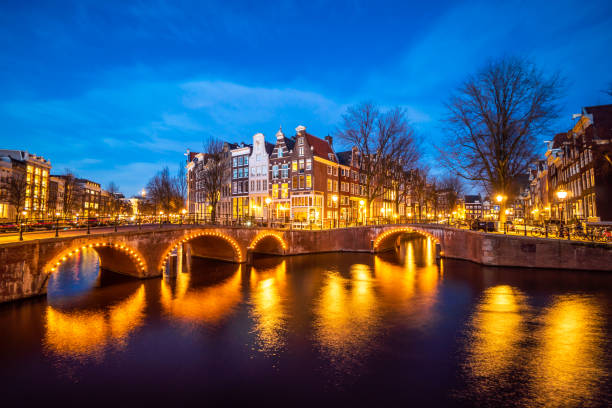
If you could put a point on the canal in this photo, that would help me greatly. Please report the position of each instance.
(401, 329)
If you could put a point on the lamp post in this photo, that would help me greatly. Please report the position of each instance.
(335, 213)
(361, 211)
(57, 214)
(500, 198)
(562, 195)
(268, 200)
(161, 213)
(183, 211)
(24, 213)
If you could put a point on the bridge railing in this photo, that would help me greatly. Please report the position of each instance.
(57, 225)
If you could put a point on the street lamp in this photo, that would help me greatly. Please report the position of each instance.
(362, 210)
(25, 214)
(57, 214)
(183, 212)
(160, 218)
(268, 200)
(335, 213)
(562, 195)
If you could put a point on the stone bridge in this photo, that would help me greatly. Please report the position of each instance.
(26, 266)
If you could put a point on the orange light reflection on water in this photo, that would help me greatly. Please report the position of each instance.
(87, 333)
(268, 292)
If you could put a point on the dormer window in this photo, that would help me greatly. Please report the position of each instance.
(300, 140)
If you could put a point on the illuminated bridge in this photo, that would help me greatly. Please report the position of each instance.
(25, 267)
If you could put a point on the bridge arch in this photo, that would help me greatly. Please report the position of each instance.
(269, 242)
(203, 242)
(385, 240)
(114, 256)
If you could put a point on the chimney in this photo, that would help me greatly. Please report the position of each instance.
(330, 140)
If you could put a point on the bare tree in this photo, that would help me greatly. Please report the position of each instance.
(72, 193)
(452, 188)
(214, 167)
(163, 192)
(419, 190)
(494, 120)
(114, 202)
(181, 182)
(383, 139)
(13, 191)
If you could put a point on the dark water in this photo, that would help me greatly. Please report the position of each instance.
(330, 329)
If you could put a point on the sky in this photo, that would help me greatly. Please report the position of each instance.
(115, 90)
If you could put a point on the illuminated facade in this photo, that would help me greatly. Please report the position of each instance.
(35, 169)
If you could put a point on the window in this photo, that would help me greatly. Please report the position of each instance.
(335, 186)
(329, 185)
(294, 165)
(285, 170)
(275, 171)
(240, 161)
(329, 170)
(294, 182)
(246, 160)
(308, 164)
(301, 181)
(300, 141)
(301, 150)
(308, 181)
(285, 191)
(301, 166)
(279, 152)
(274, 190)
(335, 171)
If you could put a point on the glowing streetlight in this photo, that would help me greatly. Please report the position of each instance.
(562, 195)
(268, 200)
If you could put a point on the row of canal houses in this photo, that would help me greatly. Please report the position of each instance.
(299, 178)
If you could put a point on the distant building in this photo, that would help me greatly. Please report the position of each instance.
(258, 176)
(473, 207)
(240, 180)
(280, 160)
(36, 171)
(56, 195)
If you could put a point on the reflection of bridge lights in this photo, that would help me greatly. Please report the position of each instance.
(137, 259)
(189, 237)
(385, 234)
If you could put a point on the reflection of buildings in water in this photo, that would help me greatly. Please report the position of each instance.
(568, 366)
(88, 333)
(496, 330)
(207, 305)
(347, 314)
(268, 293)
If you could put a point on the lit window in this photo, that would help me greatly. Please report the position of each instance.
(308, 181)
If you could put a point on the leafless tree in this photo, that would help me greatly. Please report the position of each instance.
(494, 120)
(214, 167)
(13, 191)
(163, 192)
(181, 182)
(114, 203)
(419, 190)
(73, 193)
(452, 188)
(383, 139)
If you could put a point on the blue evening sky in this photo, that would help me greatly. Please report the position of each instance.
(116, 89)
